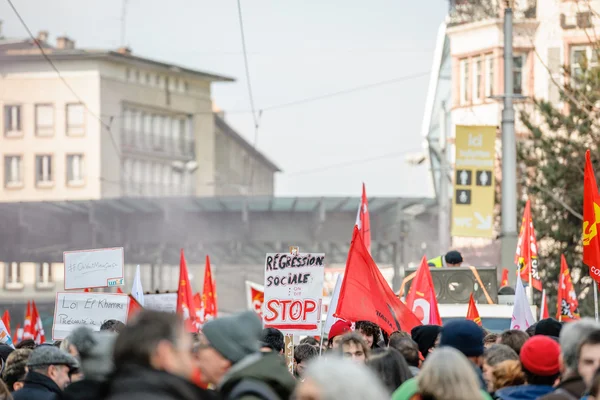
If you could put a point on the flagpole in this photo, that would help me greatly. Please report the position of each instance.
(596, 300)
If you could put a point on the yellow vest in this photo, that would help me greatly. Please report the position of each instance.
(437, 262)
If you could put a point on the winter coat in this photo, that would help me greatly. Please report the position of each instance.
(267, 369)
(411, 387)
(85, 389)
(524, 392)
(37, 386)
(134, 382)
(575, 386)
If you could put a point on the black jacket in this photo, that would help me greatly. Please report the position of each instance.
(38, 387)
(85, 389)
(141, 383)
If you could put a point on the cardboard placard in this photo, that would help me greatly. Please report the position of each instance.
(165, 302)
(72, 310)
(94, 268)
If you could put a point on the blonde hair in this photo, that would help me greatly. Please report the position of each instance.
(507, 373)
(448, 375)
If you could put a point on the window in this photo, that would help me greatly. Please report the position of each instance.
(44, 120)
(583, 58)
(12, 121)
(477, 79)
(75, 120)
(147, 78)
(13, 171)
(44, 276)
(43, 170)
(13, 276)
(176, 132)
(157, 132)
(489, 75)
(464, 81)
(137, 76)
(127, 74)
(75, 168)
(161, 81)
(181, 86)
(518, 63)
(166, 175)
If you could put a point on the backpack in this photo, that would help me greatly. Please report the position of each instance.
(254, 388)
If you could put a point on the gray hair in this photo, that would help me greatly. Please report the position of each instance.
(571, 336)
(448, 375)
(339, 378)
(497, 353)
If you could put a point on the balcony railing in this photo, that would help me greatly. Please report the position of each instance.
(158, 144)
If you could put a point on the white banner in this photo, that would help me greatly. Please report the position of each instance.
(86, 269)
(72, 310)
(165, 302)
(294, 292)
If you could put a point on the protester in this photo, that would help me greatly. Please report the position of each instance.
(153, 361)
(570, 338)
(49, 373)
(353, 346)
(390, 367)
(531, 330)
(230, 359)
(272, 339)
(303, 354)
(112, 325)
(492, 356)
(539, 361)
(507, 373)
(338, 379)
(426, 336)
(5, 351)
(14, 372)
(588, 357)
(26, 344)
(309, 340)
(514, 339)
(68, 347)
(595, 388)
(339, 329)
(409, 350)
(467, 337)
(369, 331)
(490, 339)
(548, 327)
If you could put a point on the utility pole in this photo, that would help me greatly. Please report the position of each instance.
(443, 198)
(508, 239)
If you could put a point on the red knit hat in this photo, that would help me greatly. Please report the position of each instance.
(539, 356)
(339, 328)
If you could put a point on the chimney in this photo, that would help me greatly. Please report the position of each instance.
(64, 43)
(124, 50)
(42, 36)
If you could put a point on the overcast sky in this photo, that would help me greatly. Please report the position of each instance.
(297, 50)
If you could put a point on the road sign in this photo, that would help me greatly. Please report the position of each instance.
(473, 203)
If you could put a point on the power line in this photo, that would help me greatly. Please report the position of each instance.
(248, 81)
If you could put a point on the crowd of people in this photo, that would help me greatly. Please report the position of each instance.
(154, 357)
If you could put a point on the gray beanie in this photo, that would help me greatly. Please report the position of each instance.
(46, 355)
(95, 352)
(234, 337)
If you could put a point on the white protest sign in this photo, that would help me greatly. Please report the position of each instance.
(94, 268)
(293, 292)
(165, 302)
(89, 309)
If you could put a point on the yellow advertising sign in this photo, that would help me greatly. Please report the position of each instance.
(473, 200)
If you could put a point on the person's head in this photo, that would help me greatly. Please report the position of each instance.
(514, 339)
(408, 348)
(398, 335)
(226, 342)
(425, 336)
(570, 337)
(390, 366)
(539, 360)
(548, 327)
(67, 346)
(465, 336)
(353, 346)
(310, 340)
(336, 378)
(490, 339)
(53, 363)
(588, 356)
(448, 375)
(303, 354)
(271, 339)
(112, 325)
(492, 356)
(339, 329)
(5, 351)
(14, 371)
(26, 344)
(369, 331)
(94, 352)
(453, 258)
(155, 340)
(531, 330)
(507, 373)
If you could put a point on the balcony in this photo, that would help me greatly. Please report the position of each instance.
(467, 11)
(158, 145)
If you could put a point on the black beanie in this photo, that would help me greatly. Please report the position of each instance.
(548, 327)
(425, 336)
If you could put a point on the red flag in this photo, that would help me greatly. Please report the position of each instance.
(209, 294)
(185, 300)
(366, 296)
(544, 308)
(421, 297)
(472, 312)
(504, 281)
(27, 325)
(591, 219)
(37, 330)
(18, 336)
(119, 291)
(363, 221)
(526, 256)
(134, 307)
(6, 320)
(567, 307)
(255, 296)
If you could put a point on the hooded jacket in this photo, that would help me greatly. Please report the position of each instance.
(524, 392)
(265, 368)
(37, 386)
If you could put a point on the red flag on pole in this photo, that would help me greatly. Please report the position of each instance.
(567, 306)
(27, 325)
(544, 308)
(185, 300)
(421, 299)
(526, 256)
(366, 296)
(472, 312)
(37, 329)
(134, 307)
(504, 281)
(363, 221)
(119, 291)
(209, 294)
(591, 219)
(6, 320)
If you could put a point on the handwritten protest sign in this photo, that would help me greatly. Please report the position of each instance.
(94, 268)
(165, 302)
(72, 310)
(293, 292)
